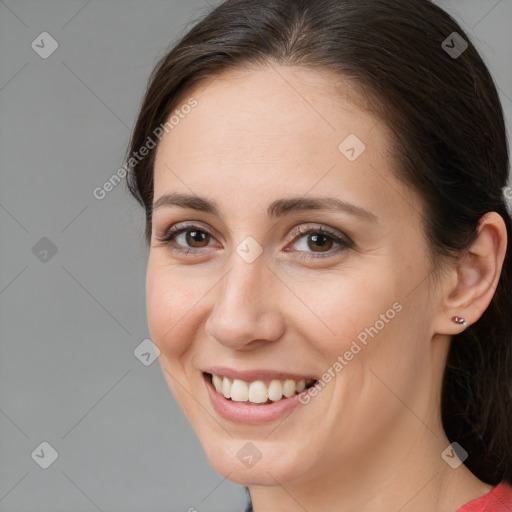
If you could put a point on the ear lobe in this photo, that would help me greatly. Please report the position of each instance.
(476, 276)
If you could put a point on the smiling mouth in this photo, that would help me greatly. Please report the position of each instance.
(258, 392)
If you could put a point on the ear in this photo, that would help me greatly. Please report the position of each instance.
(471, 283)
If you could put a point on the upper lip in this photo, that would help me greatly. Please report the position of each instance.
(252, 375)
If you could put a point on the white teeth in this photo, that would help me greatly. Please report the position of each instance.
(275, 390)
(239, 391)
(289, 388)
(217, 382)
(226, 387)
(257, 391)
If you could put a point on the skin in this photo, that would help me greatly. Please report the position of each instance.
(372, 438)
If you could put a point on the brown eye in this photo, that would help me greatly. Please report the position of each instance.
(319, 242)
(186, 238)
(195, 238)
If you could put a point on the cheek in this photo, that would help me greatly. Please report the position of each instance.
(170, 303)
(350, 307)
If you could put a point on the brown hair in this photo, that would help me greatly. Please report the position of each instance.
(450, 145)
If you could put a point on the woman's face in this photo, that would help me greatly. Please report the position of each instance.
(241, 293)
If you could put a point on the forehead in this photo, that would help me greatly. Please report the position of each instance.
(270, 104)
(259, 130)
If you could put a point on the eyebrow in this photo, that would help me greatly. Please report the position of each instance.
(277, 208)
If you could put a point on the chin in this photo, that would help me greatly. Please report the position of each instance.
(237, 466)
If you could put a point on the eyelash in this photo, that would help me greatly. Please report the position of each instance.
(345, 243)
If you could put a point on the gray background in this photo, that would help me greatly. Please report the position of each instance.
(70, 324)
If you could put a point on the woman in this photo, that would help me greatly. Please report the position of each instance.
(328, 278)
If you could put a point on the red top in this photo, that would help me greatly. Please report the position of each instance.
(499, 499)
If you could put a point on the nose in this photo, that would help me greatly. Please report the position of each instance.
(247, 312)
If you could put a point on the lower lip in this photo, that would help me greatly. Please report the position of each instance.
(241, 412)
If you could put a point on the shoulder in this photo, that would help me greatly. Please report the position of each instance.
(499, 499)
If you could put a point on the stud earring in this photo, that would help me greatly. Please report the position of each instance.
(460, 321)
